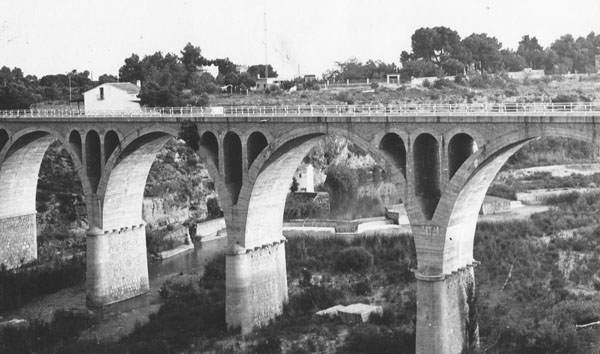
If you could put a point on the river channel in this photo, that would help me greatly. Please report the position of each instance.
(120, 319)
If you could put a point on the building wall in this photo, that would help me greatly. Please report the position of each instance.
(114, 100)
(495, 205)
(305, 178)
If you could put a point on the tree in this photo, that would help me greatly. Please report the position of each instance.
(132, 70)
(532, 52)
(191, 57)
(511, 61)
(435, 44)
(295, 185)
(341, 183)
(258, 71)
(419, 68)
(483, 51)
(107, 78)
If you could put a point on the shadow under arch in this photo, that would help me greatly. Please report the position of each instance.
(270, 176)
(466, 192)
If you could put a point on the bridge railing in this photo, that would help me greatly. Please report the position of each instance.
(408, 109)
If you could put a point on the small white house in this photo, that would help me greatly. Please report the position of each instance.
(263, 84)
(305, 177)
(112, 96)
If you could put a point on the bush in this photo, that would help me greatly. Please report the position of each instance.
(362, 288)
(21, 286)
(270, 345)
(312, 299)
(42, 337)
(370, 339)
(353, 259)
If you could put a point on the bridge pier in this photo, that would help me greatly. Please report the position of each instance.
(446, 312)
(18, 240)
(117, 267)
(256, 285)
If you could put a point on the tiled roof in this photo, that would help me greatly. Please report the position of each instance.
(125, 86)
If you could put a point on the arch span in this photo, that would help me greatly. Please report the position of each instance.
(426, 160)
(393, 145)
(111, 142)
(75, 142)
(19, 174)
(257, 142)
(233, 168)
(93, 161)
(465, 192)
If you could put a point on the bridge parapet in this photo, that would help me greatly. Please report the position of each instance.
(428, 109)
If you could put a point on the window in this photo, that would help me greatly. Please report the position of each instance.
(101, 93)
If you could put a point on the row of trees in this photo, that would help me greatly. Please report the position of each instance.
(19, 91)
(172, 80)
(168, 80)
(441, 51)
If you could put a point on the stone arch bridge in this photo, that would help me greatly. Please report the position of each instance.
(443, 157)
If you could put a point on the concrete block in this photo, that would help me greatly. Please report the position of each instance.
(358, 313)
(331, 312)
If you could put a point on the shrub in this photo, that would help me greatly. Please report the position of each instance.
(353, 259)
(21, 286)
(42, 337)
(370, 339)
(312, 299)
(362, 288)
(270, 345)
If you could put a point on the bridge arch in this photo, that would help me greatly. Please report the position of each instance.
(256, 143)
(426, 165)
(394, 146)
(111, 142)
(460, 147)
(465, 193)
(93, 158)
(209, 145)
(233, 164)
(20, 162)
(75, 142)
(270, 175)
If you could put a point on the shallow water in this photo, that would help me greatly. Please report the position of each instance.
(120, 319)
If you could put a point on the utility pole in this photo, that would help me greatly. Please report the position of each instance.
(266, 47)
(70, 96)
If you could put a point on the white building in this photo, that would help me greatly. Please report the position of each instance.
(211, 69)
(263, 84)
(306, 178)
(113, 96)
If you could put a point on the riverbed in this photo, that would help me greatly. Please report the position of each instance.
(120, 319)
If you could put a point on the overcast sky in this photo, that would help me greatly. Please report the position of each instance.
(56, 36)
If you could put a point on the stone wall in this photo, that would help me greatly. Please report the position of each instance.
(256, 285)
(117, 267)
(18, 242)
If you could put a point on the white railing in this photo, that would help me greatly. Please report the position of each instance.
(409, 109)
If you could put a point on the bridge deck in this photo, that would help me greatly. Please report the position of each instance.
(411, 110)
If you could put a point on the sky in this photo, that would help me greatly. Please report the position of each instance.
(302, 36)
